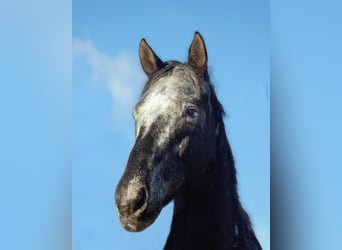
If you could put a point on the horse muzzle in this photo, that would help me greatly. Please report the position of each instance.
(133, 207)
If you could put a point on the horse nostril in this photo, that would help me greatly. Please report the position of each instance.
(141, 199)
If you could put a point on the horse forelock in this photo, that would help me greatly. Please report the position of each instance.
(169, 65)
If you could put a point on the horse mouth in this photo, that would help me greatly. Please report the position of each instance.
(138, 223)
(134, 225)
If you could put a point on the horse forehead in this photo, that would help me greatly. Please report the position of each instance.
(181, 83)
(169, 91)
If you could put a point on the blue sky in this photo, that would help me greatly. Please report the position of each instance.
(36, 156)
(107, 80)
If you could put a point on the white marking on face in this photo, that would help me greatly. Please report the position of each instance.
(164, 100)
(165, 134)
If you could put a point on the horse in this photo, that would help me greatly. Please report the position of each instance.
(181, 153)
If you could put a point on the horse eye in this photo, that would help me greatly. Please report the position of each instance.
(191, 112)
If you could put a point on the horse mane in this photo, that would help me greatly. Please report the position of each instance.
(245, 235)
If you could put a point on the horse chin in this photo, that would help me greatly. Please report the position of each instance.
(133, 223)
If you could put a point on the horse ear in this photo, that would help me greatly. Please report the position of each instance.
(150, 62)
(198, 54)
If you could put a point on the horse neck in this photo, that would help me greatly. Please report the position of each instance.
(204, 215)
(210, 216)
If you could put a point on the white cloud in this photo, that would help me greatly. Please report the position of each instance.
(120, 74)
